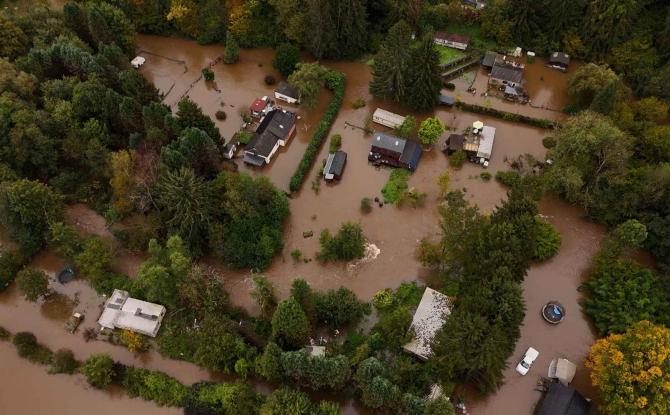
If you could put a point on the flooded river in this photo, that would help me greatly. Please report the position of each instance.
(175, 65)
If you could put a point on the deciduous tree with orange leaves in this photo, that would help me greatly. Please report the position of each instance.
(632, 370)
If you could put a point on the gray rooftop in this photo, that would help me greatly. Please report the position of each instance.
(285, 89)
(507, 72)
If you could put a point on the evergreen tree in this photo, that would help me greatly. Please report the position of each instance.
(425, 83)
(389, 71)
(232, 52)
(336, 29)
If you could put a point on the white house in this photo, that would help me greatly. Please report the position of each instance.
(387, 118)
(287, 93)
(123, 312)
(429, 317)
(452, 40)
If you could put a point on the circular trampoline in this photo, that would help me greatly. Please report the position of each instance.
(553, 312)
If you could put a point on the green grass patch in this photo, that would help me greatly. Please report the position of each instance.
(448, 54)
(396, 186)
(477, 41)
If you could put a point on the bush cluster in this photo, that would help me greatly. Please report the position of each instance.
(154, 386)
(28, 348)
(508, 116)
(335, 81)
(396, 186)
(548, 241)
(10, 264)
(346, 245)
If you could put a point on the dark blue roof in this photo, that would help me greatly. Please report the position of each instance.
(411, 154)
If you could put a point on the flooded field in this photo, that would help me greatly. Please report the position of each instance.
(174, 65)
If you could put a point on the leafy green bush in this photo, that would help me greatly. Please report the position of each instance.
(296, 254)
(358, 103)
(383, 299)
(548, 241)
(28, 348)
(64, 362)
(99, 370)
(508, 178)
(457, 158)
(32, 283)
(154, 386)
(232, 52)
(335, 81)
(366, 205)
(486, 176)
(316, 372)
(290, 325)
(208, 74)
(508, 116)
(348, 244)
(4, 333)
(286, 58)
(396, 186)
(221, 399)
(243, 137)
(549, 142)
(340, 308)
(335, 143)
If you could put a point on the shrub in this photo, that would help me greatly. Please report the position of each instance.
(508, 178)
(508, 116)
(28, 348)
(268, 364)
(220, 115)
(396, 186)
(243, 137)
(414, 197)
(549, 142)
(32, 283)
(269, 80)
(335, 143)
(335, 81)
(296, 254)
(486, 176)
(208, 74)
(382, 299)
(346, 245)
(4, 333)
(341, 307)
(221, 399)
(135, 342)
(450, 86)
(286, 58)
(290, 325)
(457, 158)
(358, 103)
(154, 386)
(10, 263)
(99, 370)
(366, 205)
(548, 241)
(430, 131)
(64, 362)
(316, 372)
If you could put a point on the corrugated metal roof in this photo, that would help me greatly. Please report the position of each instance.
(429, 317)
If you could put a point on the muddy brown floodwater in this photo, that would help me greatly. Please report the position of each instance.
(175, 65)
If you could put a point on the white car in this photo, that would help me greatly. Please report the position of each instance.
(527, 361)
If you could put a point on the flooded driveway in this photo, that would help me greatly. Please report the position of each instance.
(175, 65)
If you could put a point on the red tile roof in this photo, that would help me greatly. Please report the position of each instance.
(258, 105)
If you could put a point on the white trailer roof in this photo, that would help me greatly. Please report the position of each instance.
(387, 116)
(429, 317)
(486, 140)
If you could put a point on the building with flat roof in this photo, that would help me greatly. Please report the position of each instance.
(124, 312)
(429, 317)
(452, 40)
(335, 165)
(387, 118)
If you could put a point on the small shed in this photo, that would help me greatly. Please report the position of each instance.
(560, 61)
(259, 107)
(429, 317)
(454, 143)
(452, 40)
(387, 118)
(229, 150)
(563, 370)
(137, 61)
(564, 400)
(335, 165)
(486, 140)
(287, 93)
(490, 59)
(447, 100)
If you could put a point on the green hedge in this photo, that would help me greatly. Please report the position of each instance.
(508, 116)
(335, 81)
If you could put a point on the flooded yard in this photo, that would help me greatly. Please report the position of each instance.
(174, 66)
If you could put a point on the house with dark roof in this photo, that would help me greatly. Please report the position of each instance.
(452, 40)
(335, 165)
(506, 73)
(274, 131)
(454, 143)
(287, 93)
(447, 100)
(560, 61)
(490, 59)
(394, 151)
(564, 400)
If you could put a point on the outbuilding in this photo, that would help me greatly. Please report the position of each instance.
(229, 150)
(489, 59)
(387, 118)
(123, 312)
(447, 100)
(260, 107)
(335, 165)
(429, 317)
(452, 40)
(394, 151)
(454, 143)
(287, 93)
(274, 131)
(560, 61)
(506, 73)
(564, 400)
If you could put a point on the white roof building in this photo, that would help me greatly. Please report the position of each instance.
(429, 317)
(387, 118)
(486, 140)
(123, 312)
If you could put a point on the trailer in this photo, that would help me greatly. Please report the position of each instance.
(387, 118)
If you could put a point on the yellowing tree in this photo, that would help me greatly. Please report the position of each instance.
(632, 370)
(185, 15)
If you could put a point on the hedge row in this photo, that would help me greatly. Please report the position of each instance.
(507, 116)
(335, 81)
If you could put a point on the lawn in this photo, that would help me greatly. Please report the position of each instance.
(448, 54)
(477, 41)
